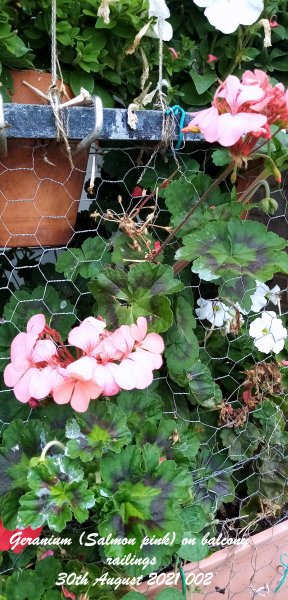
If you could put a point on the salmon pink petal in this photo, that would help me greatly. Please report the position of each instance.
(22, 387)
(205, 118)
(40, 385)
(36, 324)
(80, 398)
(236, 125)
(131, 375)
(62, 393)
(82, 369)
(139, 331)
(86, 337)
(153, 343)
(14, 372)
(104, 376)
(43, 351)
(22, 346)
(122, 339)
(155, 359)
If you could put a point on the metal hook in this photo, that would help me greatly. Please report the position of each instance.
(89, 139)
(3, 138)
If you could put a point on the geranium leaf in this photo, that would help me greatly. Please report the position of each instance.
(145, 496)
(180, 354)
(23, 585)
(139, 406)
(48, 570)
(193, 552)
(240, 247)
(241, 443)
(9, 509)
(100, 429)
(21, 441)
(123, 297)
(23, 304)
(58, 491)
(85, 261)
(237, 289)
(202, 388)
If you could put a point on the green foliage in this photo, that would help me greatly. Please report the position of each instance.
(123, 297)
(23, 304)
(100, 429)
(86, 261)
(58, 492)
(240, 247)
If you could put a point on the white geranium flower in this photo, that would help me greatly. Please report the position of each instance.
(213, 310)
(263, 295)
(227, 15)
(268, 333)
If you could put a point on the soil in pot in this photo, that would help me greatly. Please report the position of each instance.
(39, 191)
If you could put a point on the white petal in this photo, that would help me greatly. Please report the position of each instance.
(167, 31)
(278, 346)
(159, 8)
(265, 343)
(227, 15)
(256, 327)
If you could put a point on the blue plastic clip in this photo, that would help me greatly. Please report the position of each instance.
(178, 111)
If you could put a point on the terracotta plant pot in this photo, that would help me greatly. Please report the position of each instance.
(239, 572)
(39, 192)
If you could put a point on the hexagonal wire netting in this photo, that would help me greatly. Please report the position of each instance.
(41, 275)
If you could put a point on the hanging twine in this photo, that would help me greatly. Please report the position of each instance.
(168, 122)
(54, 93)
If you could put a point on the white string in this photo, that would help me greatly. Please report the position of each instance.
(53, 45)
(53, 93)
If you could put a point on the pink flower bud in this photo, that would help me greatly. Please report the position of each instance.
(174, 52)
(211, 58)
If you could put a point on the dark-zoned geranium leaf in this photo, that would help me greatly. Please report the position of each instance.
(60, 314)
(201, 386)
(102, 428)
(175, 439)
(213, 478)
(240, 247)
(237, 289)
(146, 495)
(21, 441)
(85, 261)
(123, 297)
(9, 508)
(139, 406)
(180, 354)
(59, 491)
(241, 443)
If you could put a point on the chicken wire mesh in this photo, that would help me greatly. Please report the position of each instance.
(239, 467)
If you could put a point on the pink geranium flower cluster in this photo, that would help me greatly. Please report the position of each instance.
(103, 362)
(242, 111)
